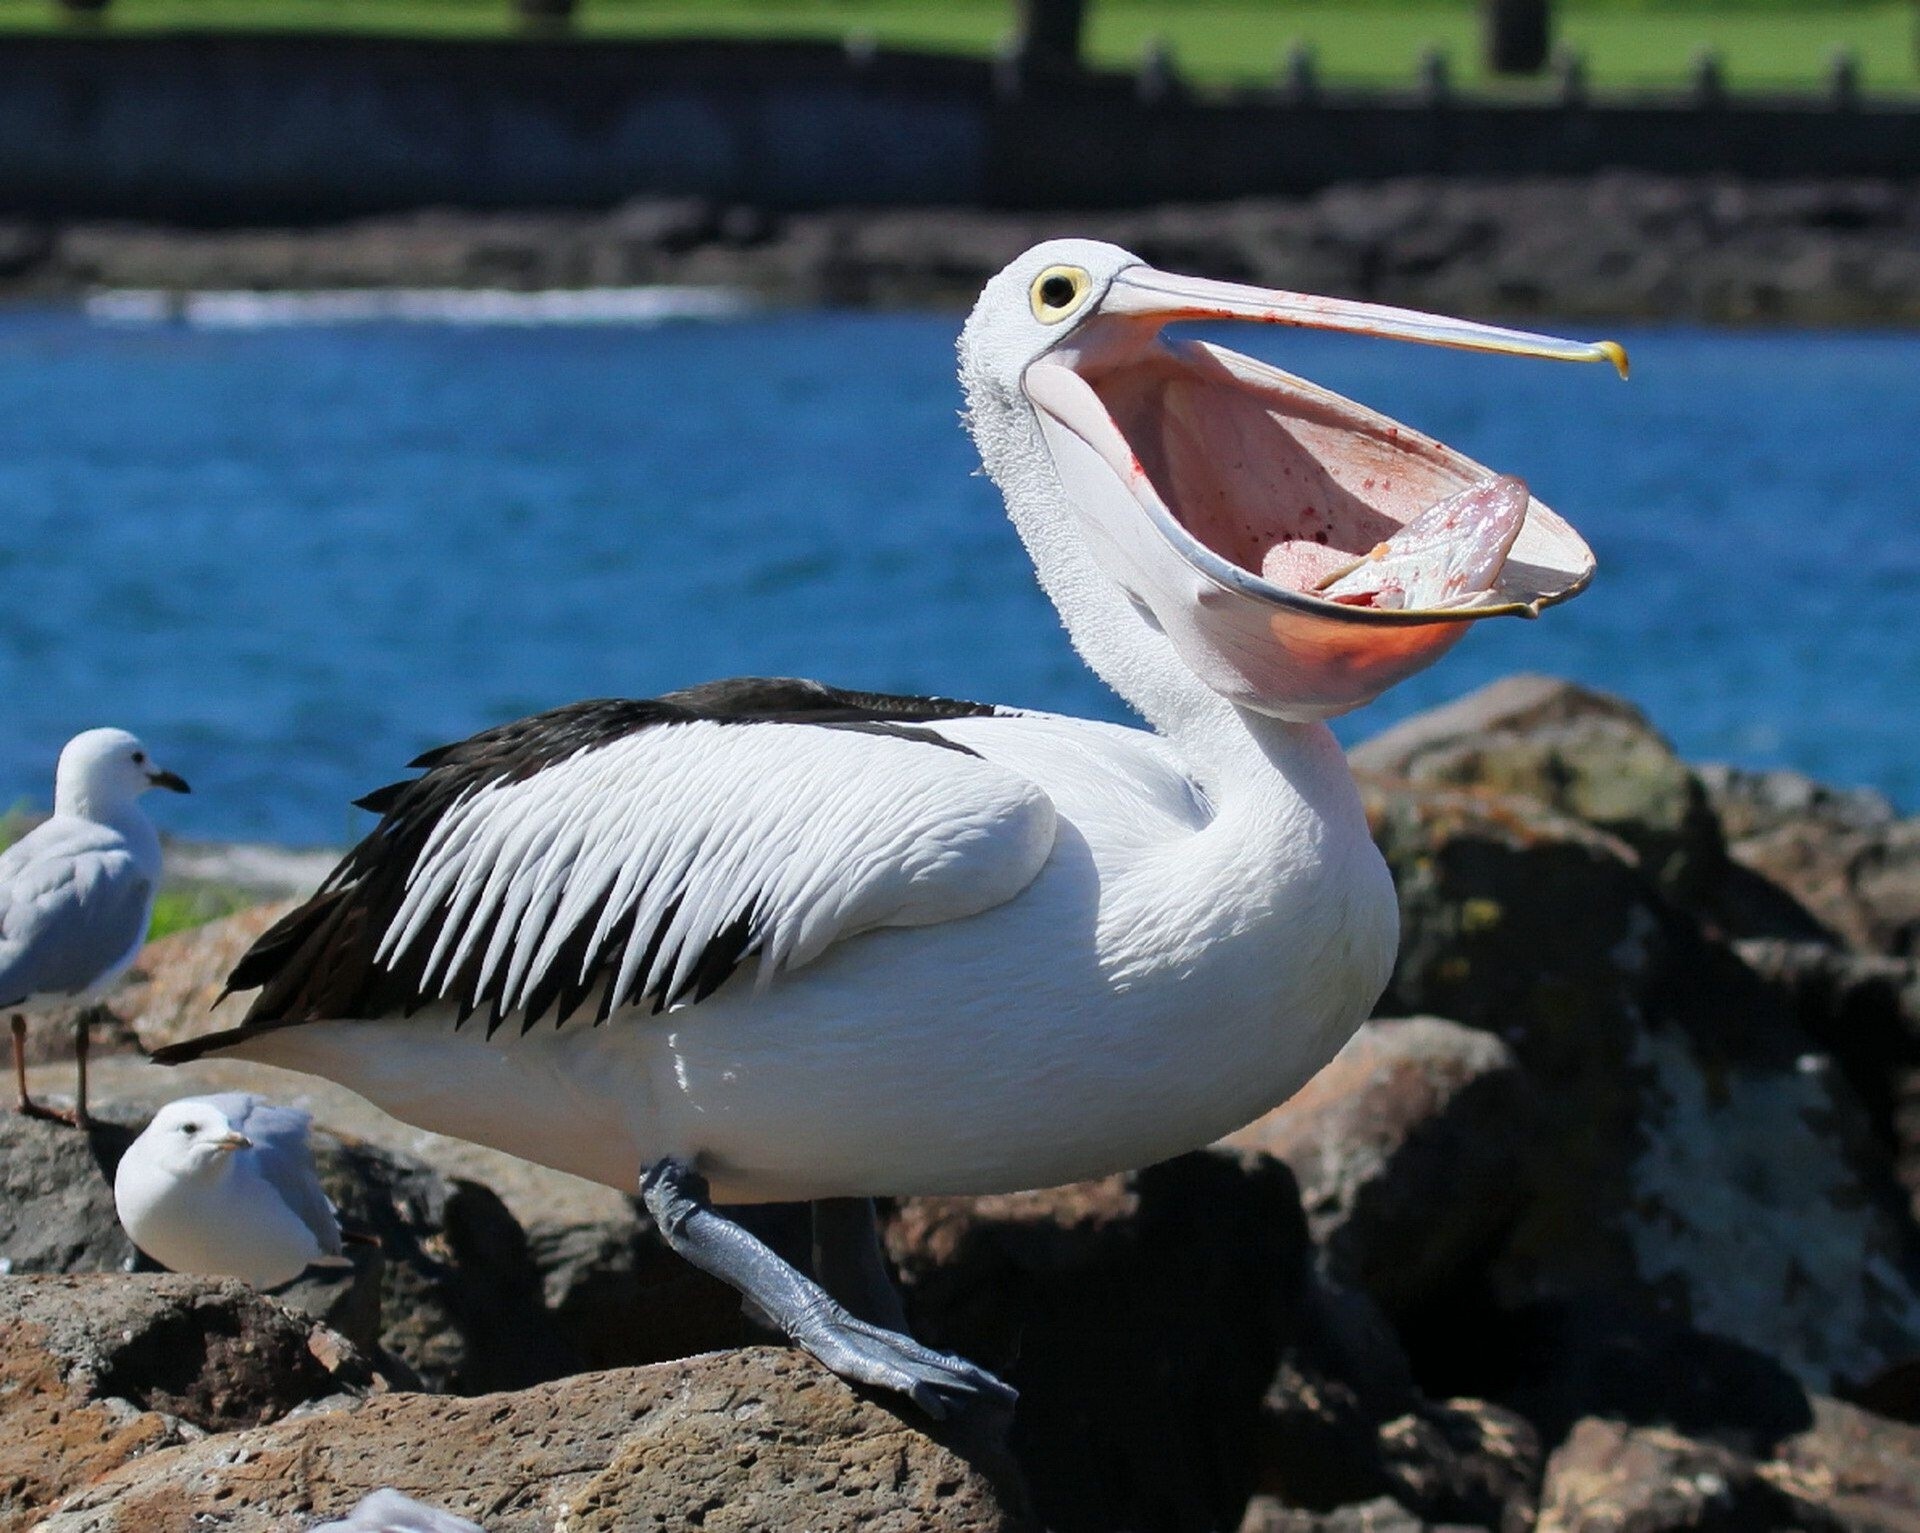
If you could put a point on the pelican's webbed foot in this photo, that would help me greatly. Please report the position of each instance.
(940, 1384)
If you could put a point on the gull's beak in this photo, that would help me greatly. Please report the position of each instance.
(172, 781)
(232, 1142)
(1301, 552)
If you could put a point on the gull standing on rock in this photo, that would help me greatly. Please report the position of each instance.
(224, 1186)
(770, 939)
(76, 892)
(387, 1511)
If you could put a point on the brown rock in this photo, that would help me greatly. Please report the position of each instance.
(173, 987)
(56, 1197)
(1586, 754)
(1611, 1478)
(1319, 1441)
(460, 1300)
(1700, 1153)
(1463, 1461)
(1331, 1438)
(740, 1441)
(620, 1298)
(1863, 1469)
(1141, 1317)
(1753, 804)
(1863, 1009)
(96, 1371)
(1760, 854)
(1269, 1514)
(57, 1216)
(617, 1297)
(1842, 856)
(1411, 1150)
(455, 1298)
(1862, 887)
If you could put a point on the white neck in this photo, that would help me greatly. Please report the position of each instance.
(71, 797)
(1119, 643)
(117, 812)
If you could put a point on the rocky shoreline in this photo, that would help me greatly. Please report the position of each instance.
(1607, 1223)
(1617, 246)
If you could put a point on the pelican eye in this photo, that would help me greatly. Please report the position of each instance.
(1057, 292)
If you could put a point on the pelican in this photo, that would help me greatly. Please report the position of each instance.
(770, 939)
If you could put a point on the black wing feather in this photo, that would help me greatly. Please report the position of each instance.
(319, 961)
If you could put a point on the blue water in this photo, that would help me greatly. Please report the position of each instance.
(293, 557)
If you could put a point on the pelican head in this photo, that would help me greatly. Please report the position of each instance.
(1299, 552)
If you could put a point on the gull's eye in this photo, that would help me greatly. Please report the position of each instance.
(189, 1128)
(1057, 292)
(139, 758)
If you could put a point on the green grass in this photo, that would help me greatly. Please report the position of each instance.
(1628, 43)
(15, 822)
(178, 910)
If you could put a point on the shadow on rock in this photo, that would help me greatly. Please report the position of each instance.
(1141, 1318)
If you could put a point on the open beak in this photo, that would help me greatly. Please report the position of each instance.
(1302, 552)
(1165, 297)
(229, 1142)
(172, 781)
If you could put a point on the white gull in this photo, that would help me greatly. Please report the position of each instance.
(224, 1186)
(76, 892)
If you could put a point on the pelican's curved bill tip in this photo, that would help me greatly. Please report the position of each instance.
(1615, 353)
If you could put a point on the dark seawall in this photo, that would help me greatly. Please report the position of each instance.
(235, 129)
(1623, 245)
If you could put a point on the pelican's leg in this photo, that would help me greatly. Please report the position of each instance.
(848, 1261)
(676, 1196)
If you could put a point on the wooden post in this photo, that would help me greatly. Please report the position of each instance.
(1049, 41)
(1843, 79)
(545, 15)
(1159, 77)
(1709, 78)
(1570, 70)
(1517, 35)
(1299, 80)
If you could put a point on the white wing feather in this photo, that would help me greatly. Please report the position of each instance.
(680, 830)
(74, 905)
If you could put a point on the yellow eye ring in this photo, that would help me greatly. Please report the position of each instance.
(1057, 292)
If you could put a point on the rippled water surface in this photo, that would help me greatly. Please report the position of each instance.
(293, 556)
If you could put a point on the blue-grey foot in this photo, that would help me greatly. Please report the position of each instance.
(858, 1350)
